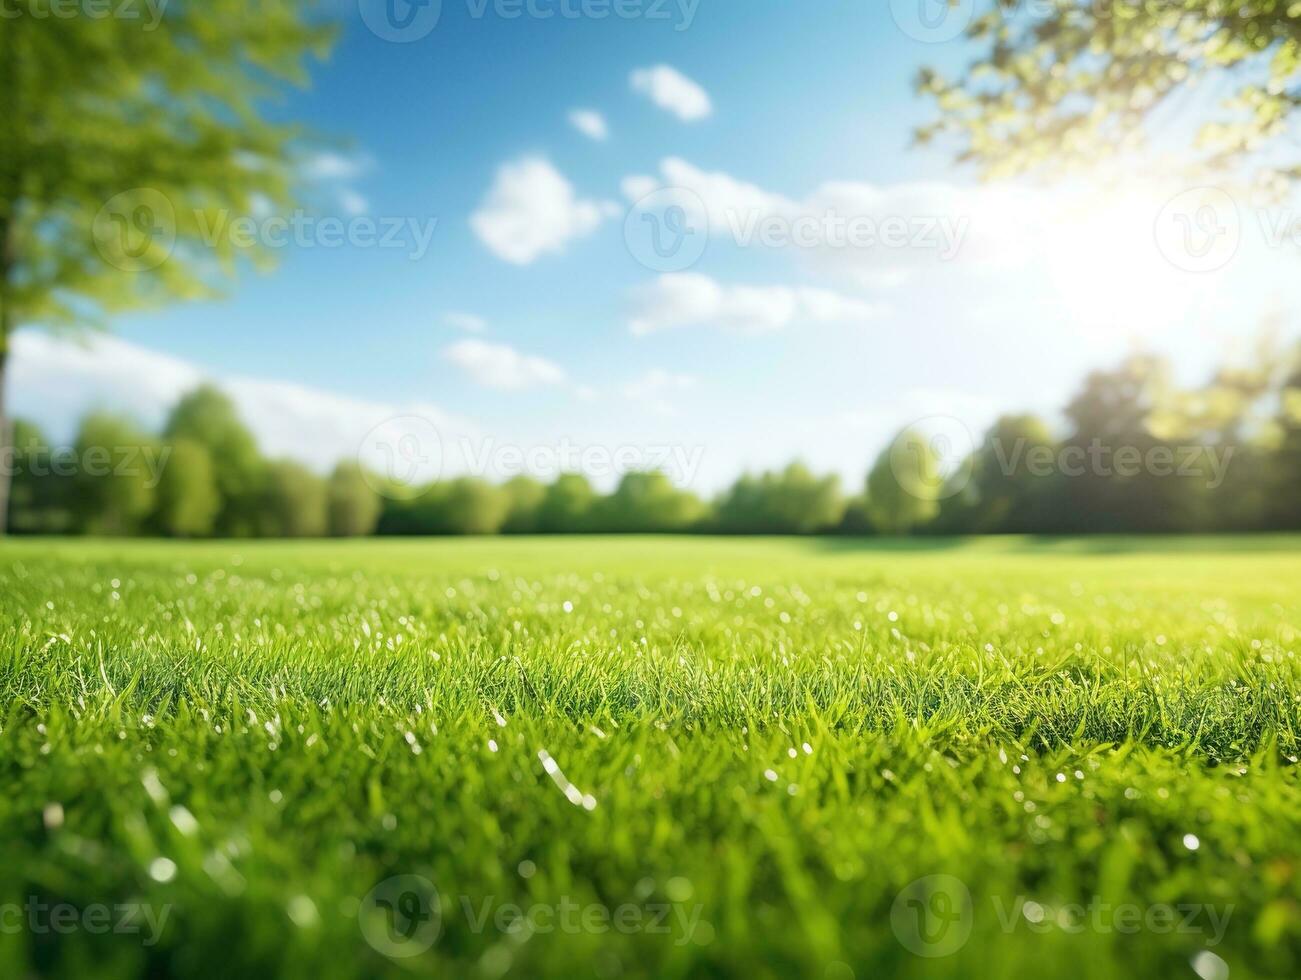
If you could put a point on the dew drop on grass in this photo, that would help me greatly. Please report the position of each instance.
(162, 869)
(1192, 842)
(302, 912)
(1208, 966)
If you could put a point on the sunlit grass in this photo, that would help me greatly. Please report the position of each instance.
(766, 740)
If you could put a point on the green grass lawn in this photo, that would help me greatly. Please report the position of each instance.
(651, 757)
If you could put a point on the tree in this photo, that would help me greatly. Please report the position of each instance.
(648, 502)
(125, 141)
(208, 417)
(114, 485)
(42, 497)
(1010, 477)
(294, 502)
(1072, 79)
(354, 507)
(567, 506)
(792, 501)
(525, 496)
(904, 486)
(187, 499)
(473, 506)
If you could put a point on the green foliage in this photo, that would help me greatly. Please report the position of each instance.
(777, 737)
(128, 133)
(792, 501)
(567, 506)
(904, 485)
(188, 499)
(525, 496)
(114, 484)
(1071, 80)
(354, 508)
(43, 490)
(295, 502)
(208, 417)
(92, 108)
(468, 505)
(649, 502)
(1138, 454)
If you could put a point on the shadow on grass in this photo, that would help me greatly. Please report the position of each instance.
(1097, 544)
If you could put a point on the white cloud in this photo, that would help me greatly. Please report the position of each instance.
(874, 235)
(672, 91)
(501, 366)
(531, 210)
(56, 380)
(656, 390)
(352, 202)
(590, 123)
(469, 322)
(335, 166)
(690, 299)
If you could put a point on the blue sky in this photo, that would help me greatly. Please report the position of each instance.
(753, 355)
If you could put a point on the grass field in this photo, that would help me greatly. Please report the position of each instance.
(651, 757)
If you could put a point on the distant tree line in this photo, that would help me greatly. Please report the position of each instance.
(1138, 454)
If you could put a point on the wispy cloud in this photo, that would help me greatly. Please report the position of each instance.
(673, 92)
(590, 123)
(690, 299)
(501, 366)
(469, 322)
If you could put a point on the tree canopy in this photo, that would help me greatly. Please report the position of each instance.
(1062, 82)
